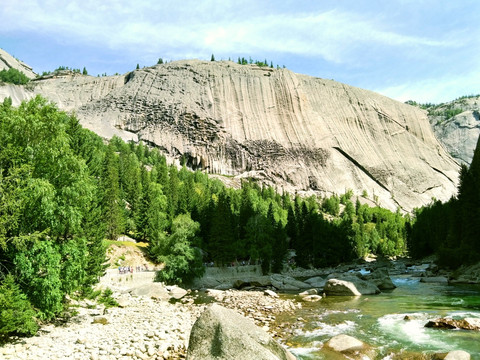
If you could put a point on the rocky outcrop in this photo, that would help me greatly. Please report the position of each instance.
(293, 131)
(7, 61)
(221, 333)
(458, 133)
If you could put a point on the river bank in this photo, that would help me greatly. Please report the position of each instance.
(146, 326)
(154, 321)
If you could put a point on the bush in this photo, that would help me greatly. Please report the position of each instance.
(13, 76)
(107, 299)
(16, 313)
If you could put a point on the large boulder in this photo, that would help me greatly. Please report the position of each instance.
(349, 285)
(221, 333)
(335, 287)
(452, 355)
(154, 290)
(349, 347)
(287, 283)
(448, 323)
(381, 278)
(176, 292)
(457, 355)
(316, 282)
(434, 279)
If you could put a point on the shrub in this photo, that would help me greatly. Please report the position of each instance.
(16, 312)
(13, 76)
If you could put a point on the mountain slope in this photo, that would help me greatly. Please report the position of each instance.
(297, 132)
(7, 61)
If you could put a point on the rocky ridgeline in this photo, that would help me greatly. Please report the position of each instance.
(294, 131)
(458, 133)
(7, 61)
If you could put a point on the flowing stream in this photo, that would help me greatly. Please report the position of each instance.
(379, 320)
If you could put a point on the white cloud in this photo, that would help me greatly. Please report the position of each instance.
(435, 90)
(197, 27)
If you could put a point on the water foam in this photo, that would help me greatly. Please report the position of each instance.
(408, 331)
(331, 330)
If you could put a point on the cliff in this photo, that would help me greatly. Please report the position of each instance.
(294, 131)
(457, 125)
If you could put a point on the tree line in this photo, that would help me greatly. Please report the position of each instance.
(451, 230)
(63, 191)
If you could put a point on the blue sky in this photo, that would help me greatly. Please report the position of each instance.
(424, 50)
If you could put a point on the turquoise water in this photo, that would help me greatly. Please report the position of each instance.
(379, 320)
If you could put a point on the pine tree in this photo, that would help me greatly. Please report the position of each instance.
(16, 312)
(221, 239)
(112, 203)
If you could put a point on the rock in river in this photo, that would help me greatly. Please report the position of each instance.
(221, 333)
(447, 323)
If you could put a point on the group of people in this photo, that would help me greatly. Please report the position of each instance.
(130, 269)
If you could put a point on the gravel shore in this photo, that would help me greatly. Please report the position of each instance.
(143, 328)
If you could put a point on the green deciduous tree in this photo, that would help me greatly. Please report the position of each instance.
(178, 251)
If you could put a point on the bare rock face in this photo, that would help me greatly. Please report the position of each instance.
(292, 131)
(458, 133)
(7, 61)
(221, 333)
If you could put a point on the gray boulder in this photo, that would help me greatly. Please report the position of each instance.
(349, 347)
(153, 290)
(448, 323)
(335, 287)
(381, 278)
(176, 292)
(349, 286)
(221, 333)
(452, 355)
(316, 282)
(457, 355)
(434, 279)
(287, 283)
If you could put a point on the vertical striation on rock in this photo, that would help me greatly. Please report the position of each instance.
(293, 131)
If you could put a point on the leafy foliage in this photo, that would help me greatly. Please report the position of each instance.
(63, 191)
(13, 76)
(182, 260)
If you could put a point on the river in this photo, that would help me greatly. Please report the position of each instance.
(378, 320)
